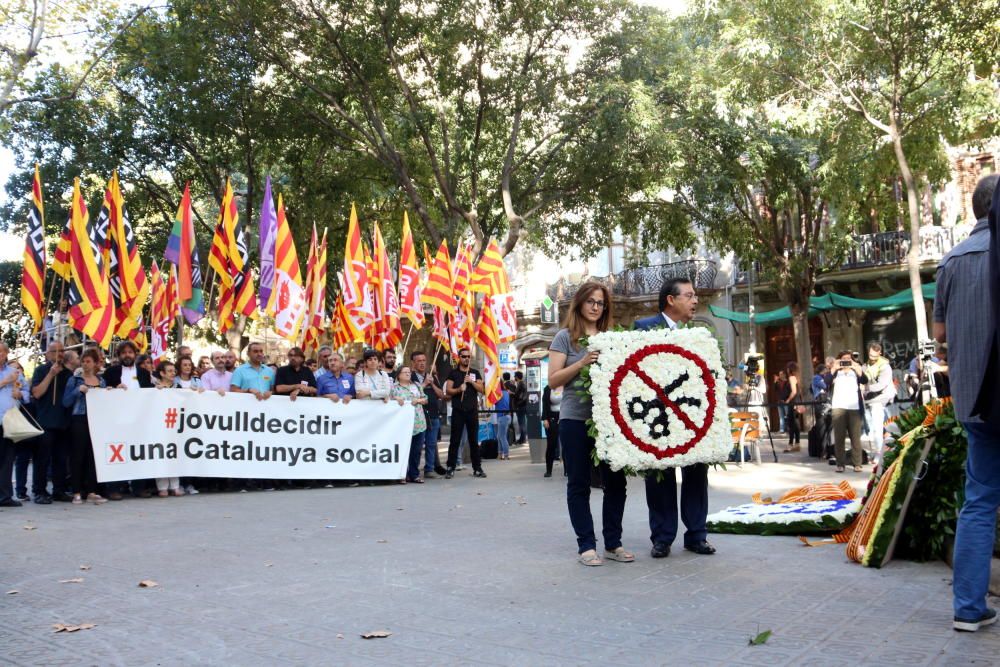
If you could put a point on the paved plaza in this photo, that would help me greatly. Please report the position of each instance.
(462, 572)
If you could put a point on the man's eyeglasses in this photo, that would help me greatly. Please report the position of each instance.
(594, 303)
(465, 356)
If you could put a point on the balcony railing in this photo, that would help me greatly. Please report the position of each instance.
(645, 280)
(886, 249)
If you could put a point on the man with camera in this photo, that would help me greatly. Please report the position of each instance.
(962, 320)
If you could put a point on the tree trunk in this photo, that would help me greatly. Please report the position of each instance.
(797, 297)
(913, 256)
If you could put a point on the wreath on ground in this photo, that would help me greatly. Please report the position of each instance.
(659, 399)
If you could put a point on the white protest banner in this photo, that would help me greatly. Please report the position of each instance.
(145, 433)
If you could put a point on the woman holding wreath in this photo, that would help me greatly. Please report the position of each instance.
(590, 313)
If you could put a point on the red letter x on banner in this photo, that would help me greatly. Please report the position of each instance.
(116, 454)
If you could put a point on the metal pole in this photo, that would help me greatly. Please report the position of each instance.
(753, 328)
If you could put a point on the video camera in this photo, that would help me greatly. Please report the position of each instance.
(927, 349)
(751, 368)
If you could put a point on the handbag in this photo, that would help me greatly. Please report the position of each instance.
(18, 425)
(800, 409)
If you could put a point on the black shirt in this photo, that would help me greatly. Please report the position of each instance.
(432, 408)
(470, 402)
(50, 412)
(288, 375)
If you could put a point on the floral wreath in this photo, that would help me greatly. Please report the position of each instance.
(658, 401)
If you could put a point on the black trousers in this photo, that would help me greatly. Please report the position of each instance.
(468, 420)
(661, 499)
(551, 443)
(7, 451)
(51, 457)
(82, 469)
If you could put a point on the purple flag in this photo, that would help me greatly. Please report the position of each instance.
(268, 236)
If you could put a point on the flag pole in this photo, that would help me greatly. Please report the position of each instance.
(406, 342)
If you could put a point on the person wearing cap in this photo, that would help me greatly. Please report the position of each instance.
(295, 379)
(372, 383)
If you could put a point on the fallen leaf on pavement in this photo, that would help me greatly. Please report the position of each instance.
(62, 627)
(382, 541)
(268, 564)
(520, 500)
(12, 592)
(75, 580)
(148, 583)
(340, 636)
(84, 567)
(31, 527)
(761, 638)
(376, 634)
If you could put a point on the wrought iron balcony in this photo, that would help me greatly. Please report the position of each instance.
(645, 280)
(886, 249)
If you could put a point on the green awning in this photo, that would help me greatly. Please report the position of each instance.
(830, 301)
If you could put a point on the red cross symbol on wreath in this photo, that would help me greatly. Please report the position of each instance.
(665, 411)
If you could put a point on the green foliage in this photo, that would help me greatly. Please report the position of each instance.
(16, 325)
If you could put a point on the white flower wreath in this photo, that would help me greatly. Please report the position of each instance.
(659, 399)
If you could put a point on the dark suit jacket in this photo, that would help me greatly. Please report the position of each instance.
(647, 323)
(113, 376)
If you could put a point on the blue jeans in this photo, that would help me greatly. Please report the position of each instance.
(522, 424)
(503, 421)
(782, 415)
(576, 448)
(431, 444)
(977, 521)
(413, 464)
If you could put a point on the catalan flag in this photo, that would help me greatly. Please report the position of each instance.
(390, 330)
(138, 334)
(91, 311)
(127, 279)
(317, 300)
(486, 339)
(288, 300)
(356, 292)
(158, 315)
(490, 275)
(409, 278)
(311, 261)
(375, 330)
(230, 259)
(60, 260)
(343, 329)
(439, 290)
(182, 251)
(33, 272)
(462, 271)
(172, 307)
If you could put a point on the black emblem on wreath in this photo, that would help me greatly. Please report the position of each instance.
(659, 427)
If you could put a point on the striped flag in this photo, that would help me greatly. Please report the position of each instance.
(486, 339)
(268, 246)
(158, 315)
(490, 275)
(172, 307)
(390, 331)
(127, 279)
(287, 302)
(138, 334)
(343, 329)
(230, 259)
(311, 262)
(440, 331)
(60, 259)
(409, 278)
(462, 271)
(317, 300)
(182, 251)
(439, 291)
(33, 272)
(91, 310)
(356, 291)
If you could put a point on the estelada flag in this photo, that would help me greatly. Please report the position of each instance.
(409, 278)
(288, 297)
(33, 271)
(91, 311)
(439, 290)
(182, 250)
(486, 339)
(127, 278)
(317, 300)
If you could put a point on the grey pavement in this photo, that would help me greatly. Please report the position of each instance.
(465, 571)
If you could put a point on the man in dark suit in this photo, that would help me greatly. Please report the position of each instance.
(678, 304)
(126, 373)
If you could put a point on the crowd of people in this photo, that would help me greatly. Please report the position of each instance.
(61, 458)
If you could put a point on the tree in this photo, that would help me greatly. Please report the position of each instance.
(491, 115)
(42, 28)
(911, 69)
